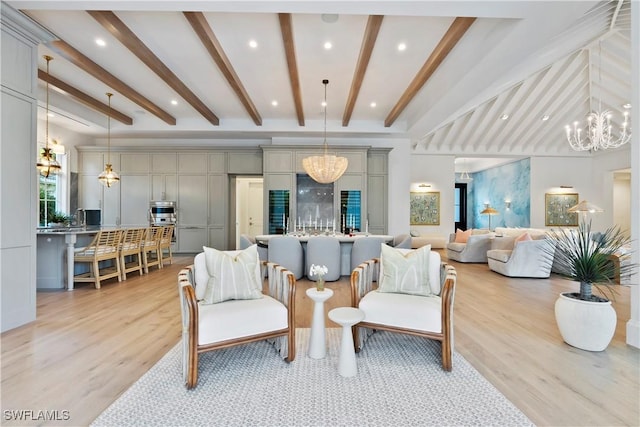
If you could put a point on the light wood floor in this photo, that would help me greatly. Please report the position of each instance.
(88, 346)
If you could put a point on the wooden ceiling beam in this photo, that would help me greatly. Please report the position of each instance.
(77, 58)
(444, 47)
(368, 42)
(120, 31)
(202, 29)
(286, 28)
(84, 98)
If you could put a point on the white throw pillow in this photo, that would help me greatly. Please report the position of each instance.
(405, 273)
(414, 233)
(232, 275)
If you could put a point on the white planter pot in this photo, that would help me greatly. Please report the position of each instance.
(584, 324)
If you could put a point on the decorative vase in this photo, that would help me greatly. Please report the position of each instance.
(320, 284)
(584, 324)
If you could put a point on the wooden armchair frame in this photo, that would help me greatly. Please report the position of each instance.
(190, 327)
(360, 288)
(165, 245)
(150, 248)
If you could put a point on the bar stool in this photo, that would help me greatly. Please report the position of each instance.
(130, 246)
(103, 247)
(150, 248)
(165, 245)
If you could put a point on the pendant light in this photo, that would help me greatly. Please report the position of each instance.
(108, 177)
(47, 164)
(327, 168)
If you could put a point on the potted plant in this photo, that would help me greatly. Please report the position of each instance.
(585, 320)
(59, 219)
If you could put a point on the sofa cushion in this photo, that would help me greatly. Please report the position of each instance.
(523, 238)
(463, 236)
(414, 233)
(456, 247)
(405, 273)
(501, 255)
(232, 276)
(403, 311)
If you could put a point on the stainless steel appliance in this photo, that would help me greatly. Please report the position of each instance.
(88, 218)
(162, 212)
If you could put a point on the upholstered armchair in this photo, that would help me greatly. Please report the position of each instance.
(532, 257)
(210, 324)
(472, 248)
(396, 311)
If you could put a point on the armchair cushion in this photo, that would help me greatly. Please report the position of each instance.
(403, 311)
(463, 236)
(232, 276)
(405, 273)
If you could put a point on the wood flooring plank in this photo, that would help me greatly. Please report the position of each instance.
(89, 346)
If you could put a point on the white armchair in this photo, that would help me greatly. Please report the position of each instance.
(426, 316)
(207, 327)
(473, 250)
(528, 258)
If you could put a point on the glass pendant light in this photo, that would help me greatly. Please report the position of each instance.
(108, 177)
(47, 163)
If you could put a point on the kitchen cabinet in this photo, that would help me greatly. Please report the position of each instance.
(193, 201)
(218, 205)
(192, 239)
(134, 196)
(164, 187)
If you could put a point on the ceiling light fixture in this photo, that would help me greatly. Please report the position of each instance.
(402, 47)
(464, 175)
(108, 177)
(253, 44)
(101, 42)
(327, 168)
(328, 45)
(47, 163)
(274, 103)
(504, 117)
(599, 129)
(545, 117)
(373, 105)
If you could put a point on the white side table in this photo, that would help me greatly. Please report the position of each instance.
(317, 343)
(347, 317)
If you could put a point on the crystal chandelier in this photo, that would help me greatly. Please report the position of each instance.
(327, 168)
(108, 177)
(599, 131)
(47, 163)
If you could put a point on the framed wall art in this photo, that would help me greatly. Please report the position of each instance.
(556, 207)
(424, 208)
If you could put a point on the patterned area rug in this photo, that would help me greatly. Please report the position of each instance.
(400, 382)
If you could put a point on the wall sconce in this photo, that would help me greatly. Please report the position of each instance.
(507, 204)
(566, 186)
(423, 185)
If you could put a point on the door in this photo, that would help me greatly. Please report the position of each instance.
(460, 206)
(254, 204)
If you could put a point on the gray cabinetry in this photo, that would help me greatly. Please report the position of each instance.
(377, 189)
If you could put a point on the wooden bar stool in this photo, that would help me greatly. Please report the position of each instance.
(103, 247)
(150, 248)
(130, 245)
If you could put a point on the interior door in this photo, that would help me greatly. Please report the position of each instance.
(254, 207)
(460, 210)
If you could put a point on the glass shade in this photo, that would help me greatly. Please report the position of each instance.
(108, 177)
(47, 164)
(325, 169)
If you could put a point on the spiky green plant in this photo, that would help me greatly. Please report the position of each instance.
(586, 257)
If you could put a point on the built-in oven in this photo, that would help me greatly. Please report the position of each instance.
(163, 212)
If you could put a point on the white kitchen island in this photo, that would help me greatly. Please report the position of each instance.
(55, 246)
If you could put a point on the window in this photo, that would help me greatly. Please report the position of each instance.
(51, 192)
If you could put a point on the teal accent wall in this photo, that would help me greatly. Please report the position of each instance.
(510, 181)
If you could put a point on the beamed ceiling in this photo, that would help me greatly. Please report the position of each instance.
(465, 65)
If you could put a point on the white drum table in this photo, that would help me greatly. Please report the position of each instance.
(347, 317)
(317, 343)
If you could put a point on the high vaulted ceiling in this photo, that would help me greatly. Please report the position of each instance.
(465, 65)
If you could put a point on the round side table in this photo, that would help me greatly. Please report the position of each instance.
(347, 317)
(317, 343)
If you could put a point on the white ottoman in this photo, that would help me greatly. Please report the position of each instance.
(347, 317)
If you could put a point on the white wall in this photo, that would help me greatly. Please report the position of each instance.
(439, 171)
(622, 205)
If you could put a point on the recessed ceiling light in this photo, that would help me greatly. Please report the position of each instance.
(328, 45)
(324, 103)
(402, 46)
(545, 117)
(253, 44)
(174, 102)
(373, 105)
(329, 18)
(627, 106)
(101, 42)
(274, 103)
(504, 117)
(51, 115)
